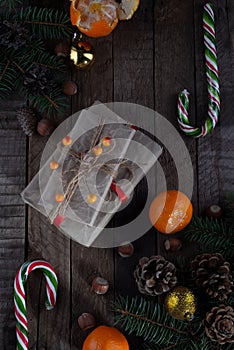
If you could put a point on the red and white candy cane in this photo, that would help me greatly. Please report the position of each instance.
(212, 77)
(20, 298)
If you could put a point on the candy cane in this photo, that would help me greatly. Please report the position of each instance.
(212, 82)
(19, 296)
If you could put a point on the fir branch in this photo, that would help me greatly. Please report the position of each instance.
(126, 313)
(188, 344)
(183, 270)
(230, 299)
(18, 66)
(46, 23)
(55, 102)
(4, 70)
(215, 235)
(229, 210)
(46, 60)
(8, 75)
(150, 320)
(9, 4)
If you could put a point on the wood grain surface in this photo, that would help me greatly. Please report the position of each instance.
(12, 213)
(145, 61)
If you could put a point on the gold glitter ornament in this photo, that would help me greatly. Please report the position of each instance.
(181, 303)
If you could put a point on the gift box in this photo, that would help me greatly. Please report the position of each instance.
(90, 172)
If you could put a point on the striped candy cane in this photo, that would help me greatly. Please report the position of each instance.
(212, 82)
(20, 300)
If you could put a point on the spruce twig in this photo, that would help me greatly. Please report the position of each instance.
(152, 322)
(46, 23)
(126, 313)
(212, 234)
(16, 60)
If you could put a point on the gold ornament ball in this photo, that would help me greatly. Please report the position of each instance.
(106, 141)
(54, 165)
(82, 55)
(181, 303)
(67, 141)
(91, 198)
(97, 150)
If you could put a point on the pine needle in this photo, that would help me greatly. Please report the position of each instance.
(150, 321)
(212, 235)
(45, 23)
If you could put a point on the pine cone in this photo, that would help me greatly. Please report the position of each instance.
(155, 275)
(212, 273)
(13, 34)
(27, 120)
(219, 324)
(38, 80)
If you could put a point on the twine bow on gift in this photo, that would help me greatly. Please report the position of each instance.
(87, 162)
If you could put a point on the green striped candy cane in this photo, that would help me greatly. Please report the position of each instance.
(212, 76)
(20, 299)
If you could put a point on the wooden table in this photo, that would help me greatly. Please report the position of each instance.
(147, 61)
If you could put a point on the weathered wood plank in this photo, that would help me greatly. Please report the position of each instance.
(49, 329)
(87, 263)
(174, 71)
(133, 49)
(12, 214)
(215, 152)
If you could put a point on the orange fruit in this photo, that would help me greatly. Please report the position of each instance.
(105, 338)
(94, 18)
(170, 211)
(127, 9)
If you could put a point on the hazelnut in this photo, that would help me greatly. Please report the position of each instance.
(69, 88)
(62, 49)
(126, 250)
(172, 244)
(45, 127)
(100, 285)
(86, 321)
(214, 211)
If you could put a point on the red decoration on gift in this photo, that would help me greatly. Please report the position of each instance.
(133, 127)
(118, 190)
(58, 220)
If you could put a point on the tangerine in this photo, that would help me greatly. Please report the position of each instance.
(105, 338)
(94, 18)
(127, 8)
(170, 211)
